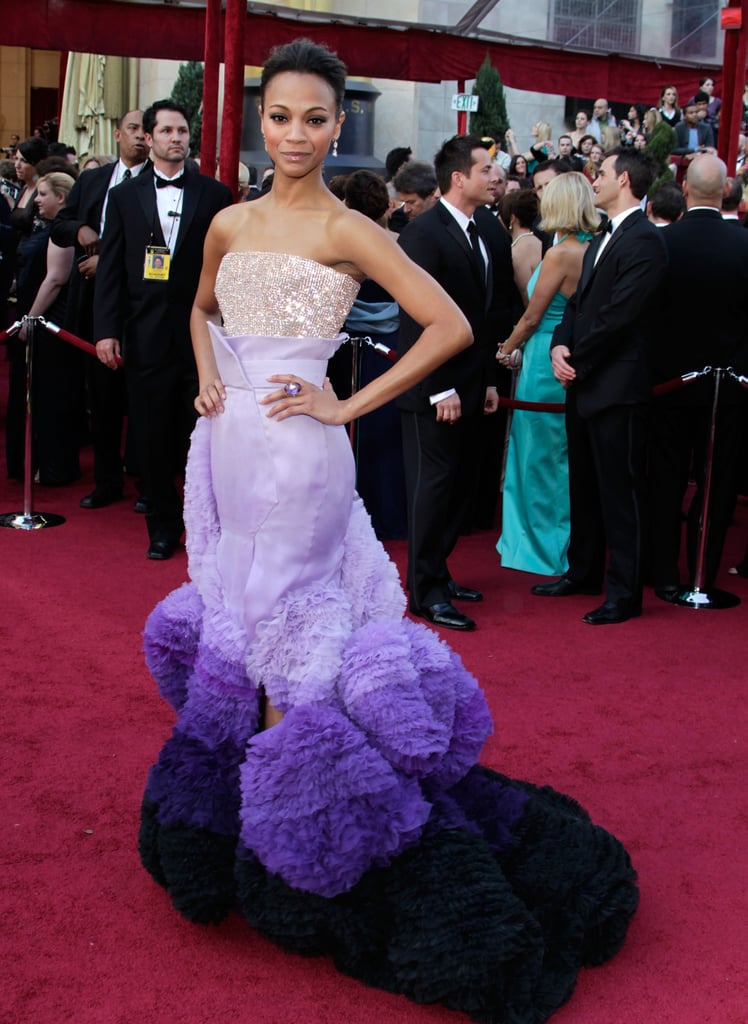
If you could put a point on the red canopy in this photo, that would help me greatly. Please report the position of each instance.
(374, 50)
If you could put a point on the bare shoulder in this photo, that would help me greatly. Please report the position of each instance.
(570, 253)
(355, 240)
(230, 222)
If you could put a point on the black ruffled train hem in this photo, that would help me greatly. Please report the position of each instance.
(495, 929)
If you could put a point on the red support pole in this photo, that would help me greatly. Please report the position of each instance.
(233, 93)
(212, 54)
(461, 114)
(735, 54)
(61, 75)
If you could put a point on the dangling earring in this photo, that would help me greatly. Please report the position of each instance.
(335, 146)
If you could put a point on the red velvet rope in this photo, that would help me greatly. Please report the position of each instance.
(515, 403)
(84, 346)
(389, 353)
(10, 331)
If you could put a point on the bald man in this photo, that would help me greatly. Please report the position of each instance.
(704, 322)
(603, 125)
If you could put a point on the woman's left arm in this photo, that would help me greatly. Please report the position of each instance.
(362, 244)
(59, 265)
(551, 276)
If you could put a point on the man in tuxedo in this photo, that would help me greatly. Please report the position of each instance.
(80, 223)
(148, 272)
(600, 353)
(459, 243)
(705, 250)
(692, 135)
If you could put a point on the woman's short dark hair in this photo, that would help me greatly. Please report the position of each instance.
(367, 192)
(455, 155)
(523, 203)
(32, 150)
(309, 58)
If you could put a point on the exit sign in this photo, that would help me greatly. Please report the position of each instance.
(464, 101)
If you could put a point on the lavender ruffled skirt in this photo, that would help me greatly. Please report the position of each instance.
(360, 826)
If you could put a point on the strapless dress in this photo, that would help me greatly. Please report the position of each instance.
(361, 826)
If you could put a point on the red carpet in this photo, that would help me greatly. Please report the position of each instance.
(644, 723)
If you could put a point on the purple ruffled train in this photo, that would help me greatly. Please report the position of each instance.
(361, 825)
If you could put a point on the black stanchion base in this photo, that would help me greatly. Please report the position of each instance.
(707, 599)
(33, 521)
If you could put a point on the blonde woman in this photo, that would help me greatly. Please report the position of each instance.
(535, 517)
(58, 376)
(652, 117)
(52, 192)
(540, 149)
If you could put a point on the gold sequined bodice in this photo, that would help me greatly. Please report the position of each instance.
(276, 294)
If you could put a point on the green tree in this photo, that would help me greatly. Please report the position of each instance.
(660, 145)
(491, 117)
(188, 93)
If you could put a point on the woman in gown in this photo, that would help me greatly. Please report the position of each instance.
(535, 508)
(322, 774)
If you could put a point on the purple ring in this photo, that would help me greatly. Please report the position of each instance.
(292, 389)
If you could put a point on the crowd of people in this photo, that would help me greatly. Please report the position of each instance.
(52, 236)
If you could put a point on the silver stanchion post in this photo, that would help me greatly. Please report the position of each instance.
(28, 520)
(698, 596)
(357, 348)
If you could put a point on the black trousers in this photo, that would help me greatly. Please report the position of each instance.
(57, 402)
(107, 401)
(163, 415)
(440, 482)
(607, 499)
(677, 444)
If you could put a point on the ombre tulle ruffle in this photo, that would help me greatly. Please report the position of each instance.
(361, 826)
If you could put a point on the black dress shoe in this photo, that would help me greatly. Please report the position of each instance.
(445, 614)
(160, 550)
(458, 593)
(610, 613)
(101, 497)
(142, 505)
(563, 587)
(741, 569)
(669, 593)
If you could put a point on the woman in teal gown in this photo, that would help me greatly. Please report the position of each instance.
(535, 509)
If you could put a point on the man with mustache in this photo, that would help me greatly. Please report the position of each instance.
(147, 277)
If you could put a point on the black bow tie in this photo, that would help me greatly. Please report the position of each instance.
(177, 182)
(607, 228)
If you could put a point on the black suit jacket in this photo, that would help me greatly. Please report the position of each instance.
(704, 304)
(437, 243)
(607, 324)
(682, 133)
(83, 207)
(151, 318)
